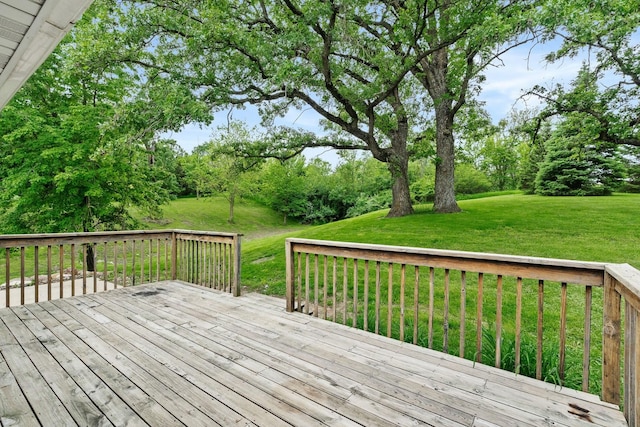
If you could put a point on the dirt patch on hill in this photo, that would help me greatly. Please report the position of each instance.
(263, 259)
(259, 234)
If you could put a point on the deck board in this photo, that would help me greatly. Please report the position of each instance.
(176, 354)
(123, 388)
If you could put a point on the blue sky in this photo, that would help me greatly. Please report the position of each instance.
(521, 68)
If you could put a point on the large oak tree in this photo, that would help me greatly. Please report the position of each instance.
(374, 70)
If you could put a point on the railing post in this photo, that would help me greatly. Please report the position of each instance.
(174, 256)
(624, 282)
(290, 279)
(237, 266)
(611, 342)
(632, 364)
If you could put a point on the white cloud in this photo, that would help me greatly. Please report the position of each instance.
(519, 70)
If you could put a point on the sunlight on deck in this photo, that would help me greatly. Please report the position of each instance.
(174, 354)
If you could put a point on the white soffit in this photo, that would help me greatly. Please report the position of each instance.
(29, 31)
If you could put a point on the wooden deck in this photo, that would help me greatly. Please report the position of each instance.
(176, 354)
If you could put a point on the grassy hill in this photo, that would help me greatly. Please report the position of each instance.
(251, 219)
(582, 228)
(586, 228)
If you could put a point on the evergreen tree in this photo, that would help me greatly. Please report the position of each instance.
(577, 163)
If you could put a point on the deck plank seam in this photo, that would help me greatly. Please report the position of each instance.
(82, 372)
(108, 373)
(119, 348)
(283, 371)
(240, 317)
(195, 335)
(558, 410)
(195, 351)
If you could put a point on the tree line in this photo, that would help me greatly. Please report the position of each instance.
(493, 159)
(81, 142)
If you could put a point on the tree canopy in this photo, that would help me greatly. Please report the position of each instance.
(609, 87)
(83, 141)
(374, 70)
(73, 158)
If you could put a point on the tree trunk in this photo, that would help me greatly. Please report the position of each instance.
(397, 158)
(432, 73)
(232, 202)
(91, 259)
(434, 79)
(445, 195)
(398, 164)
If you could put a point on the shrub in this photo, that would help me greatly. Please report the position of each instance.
(469, 180)
(365, 203)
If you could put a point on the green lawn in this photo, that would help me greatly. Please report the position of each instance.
(580, 228)
(590, 229)
(251, 219)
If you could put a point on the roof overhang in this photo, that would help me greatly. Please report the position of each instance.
(29, 31)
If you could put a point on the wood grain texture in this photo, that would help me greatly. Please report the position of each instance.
(173, 353)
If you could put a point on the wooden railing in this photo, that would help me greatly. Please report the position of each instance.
(209, 259)
(555, 320)
(622, 282)
(40, 267)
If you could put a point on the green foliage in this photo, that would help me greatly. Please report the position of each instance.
(608, 85)
(360, 185)
(370, 203)
(282, 187)
(497, 151)
(576, 163)
(533, 157)
(631, 157)
(318, 192)
(469, 180)
(423, 177)
(500, 162)
(197, 177)
(216, 48)
(220, 167)
(70, 159)
(527, 366)
(561, 175)
(356, 186)
(422, 59)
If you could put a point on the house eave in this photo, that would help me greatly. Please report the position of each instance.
(29, 31)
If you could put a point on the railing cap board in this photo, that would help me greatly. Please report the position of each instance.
(576, 272)
(206, 233)
(205, 236)
(43, 239)
(629, 280)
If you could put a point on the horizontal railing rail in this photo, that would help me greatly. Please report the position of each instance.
(545, 318)
(41, 267)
